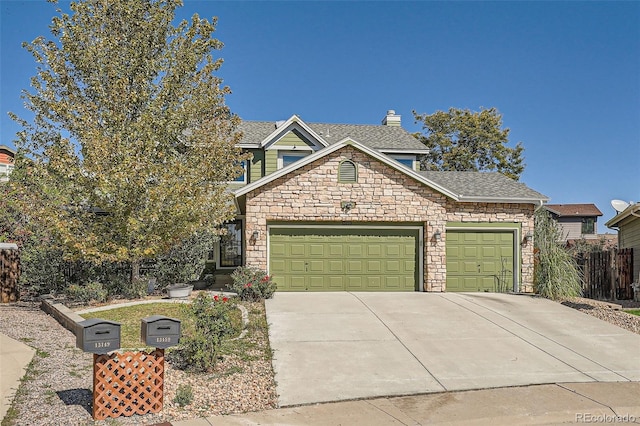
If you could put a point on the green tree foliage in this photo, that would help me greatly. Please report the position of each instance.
(464, 140)
(556, 274)
(131, 144)
(41, 256)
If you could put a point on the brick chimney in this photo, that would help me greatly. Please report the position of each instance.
(391, 119)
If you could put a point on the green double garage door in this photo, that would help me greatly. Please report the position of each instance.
(480, 261)
(344, 259)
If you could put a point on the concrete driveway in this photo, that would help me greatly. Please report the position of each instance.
(336, 346)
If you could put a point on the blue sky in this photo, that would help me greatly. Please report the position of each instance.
(565, 75)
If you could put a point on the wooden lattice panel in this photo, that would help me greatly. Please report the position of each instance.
(127, 383)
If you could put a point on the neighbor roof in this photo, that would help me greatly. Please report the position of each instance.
(6, 148)
(568, 210)
(379, 137)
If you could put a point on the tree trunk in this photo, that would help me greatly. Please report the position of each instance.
(135, 270)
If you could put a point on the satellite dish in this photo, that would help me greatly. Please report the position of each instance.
(619, 205)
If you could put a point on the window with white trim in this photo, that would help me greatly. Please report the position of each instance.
(286, 158)
(243, 177)
(406, 160)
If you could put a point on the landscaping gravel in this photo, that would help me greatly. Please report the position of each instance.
(611, 312)
(57, 390)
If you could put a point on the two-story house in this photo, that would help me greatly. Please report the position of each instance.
(576, 221)
(334, 207)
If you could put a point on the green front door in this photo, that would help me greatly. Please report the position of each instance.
(339, 259)
(480, 261)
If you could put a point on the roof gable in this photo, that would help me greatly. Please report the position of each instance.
(280, 129)
(459, 186)
(379, 137)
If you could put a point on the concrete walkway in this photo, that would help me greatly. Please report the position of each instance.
(15, 356)
(574, 403)
(339, 346)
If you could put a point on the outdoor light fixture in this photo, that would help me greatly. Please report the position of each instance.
(347, 205)
(255, 235)
(528, 237)
(437, 235)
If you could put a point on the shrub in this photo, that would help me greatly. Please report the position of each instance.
(252, 284)
(556, 274)
(87, 293)
(136, 289)
(186, 260)
(184, 395)
(201, 348)
(116, 281)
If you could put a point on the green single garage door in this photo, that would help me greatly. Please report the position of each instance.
(480, 261)
(338, 259)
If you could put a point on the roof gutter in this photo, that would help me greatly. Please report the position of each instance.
(632, 210)
(539, 202)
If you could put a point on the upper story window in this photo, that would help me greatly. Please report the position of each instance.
(286, 158)
(588, 225)
(406, 160)
(243, 177)
(347, 172)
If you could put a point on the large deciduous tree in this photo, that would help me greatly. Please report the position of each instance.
(131, 145)
(464, 140)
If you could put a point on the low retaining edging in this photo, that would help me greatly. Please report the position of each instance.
(70, 319)
(65, 316)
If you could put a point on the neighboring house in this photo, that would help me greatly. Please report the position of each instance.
(335, 207)
(7, 157)
(627, 222)
(576, 220)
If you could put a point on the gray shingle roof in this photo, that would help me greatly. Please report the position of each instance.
(482, 185)
(378, 137)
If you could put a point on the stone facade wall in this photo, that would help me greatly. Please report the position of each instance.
(381, 194)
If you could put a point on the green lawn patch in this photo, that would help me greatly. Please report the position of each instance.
(131, 316)
(633, 311)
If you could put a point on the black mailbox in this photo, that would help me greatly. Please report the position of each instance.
(98, 336)
(160, 331)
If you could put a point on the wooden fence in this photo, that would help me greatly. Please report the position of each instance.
(9, 273)
(607, 275)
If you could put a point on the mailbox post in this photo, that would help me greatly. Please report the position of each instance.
(160, 331)
(98, 336)
(129, 382)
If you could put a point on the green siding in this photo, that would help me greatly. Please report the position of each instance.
(319, 259)
(293, 138)
(480, 261)
(271, 162)
(629, 237)
(256, 168)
